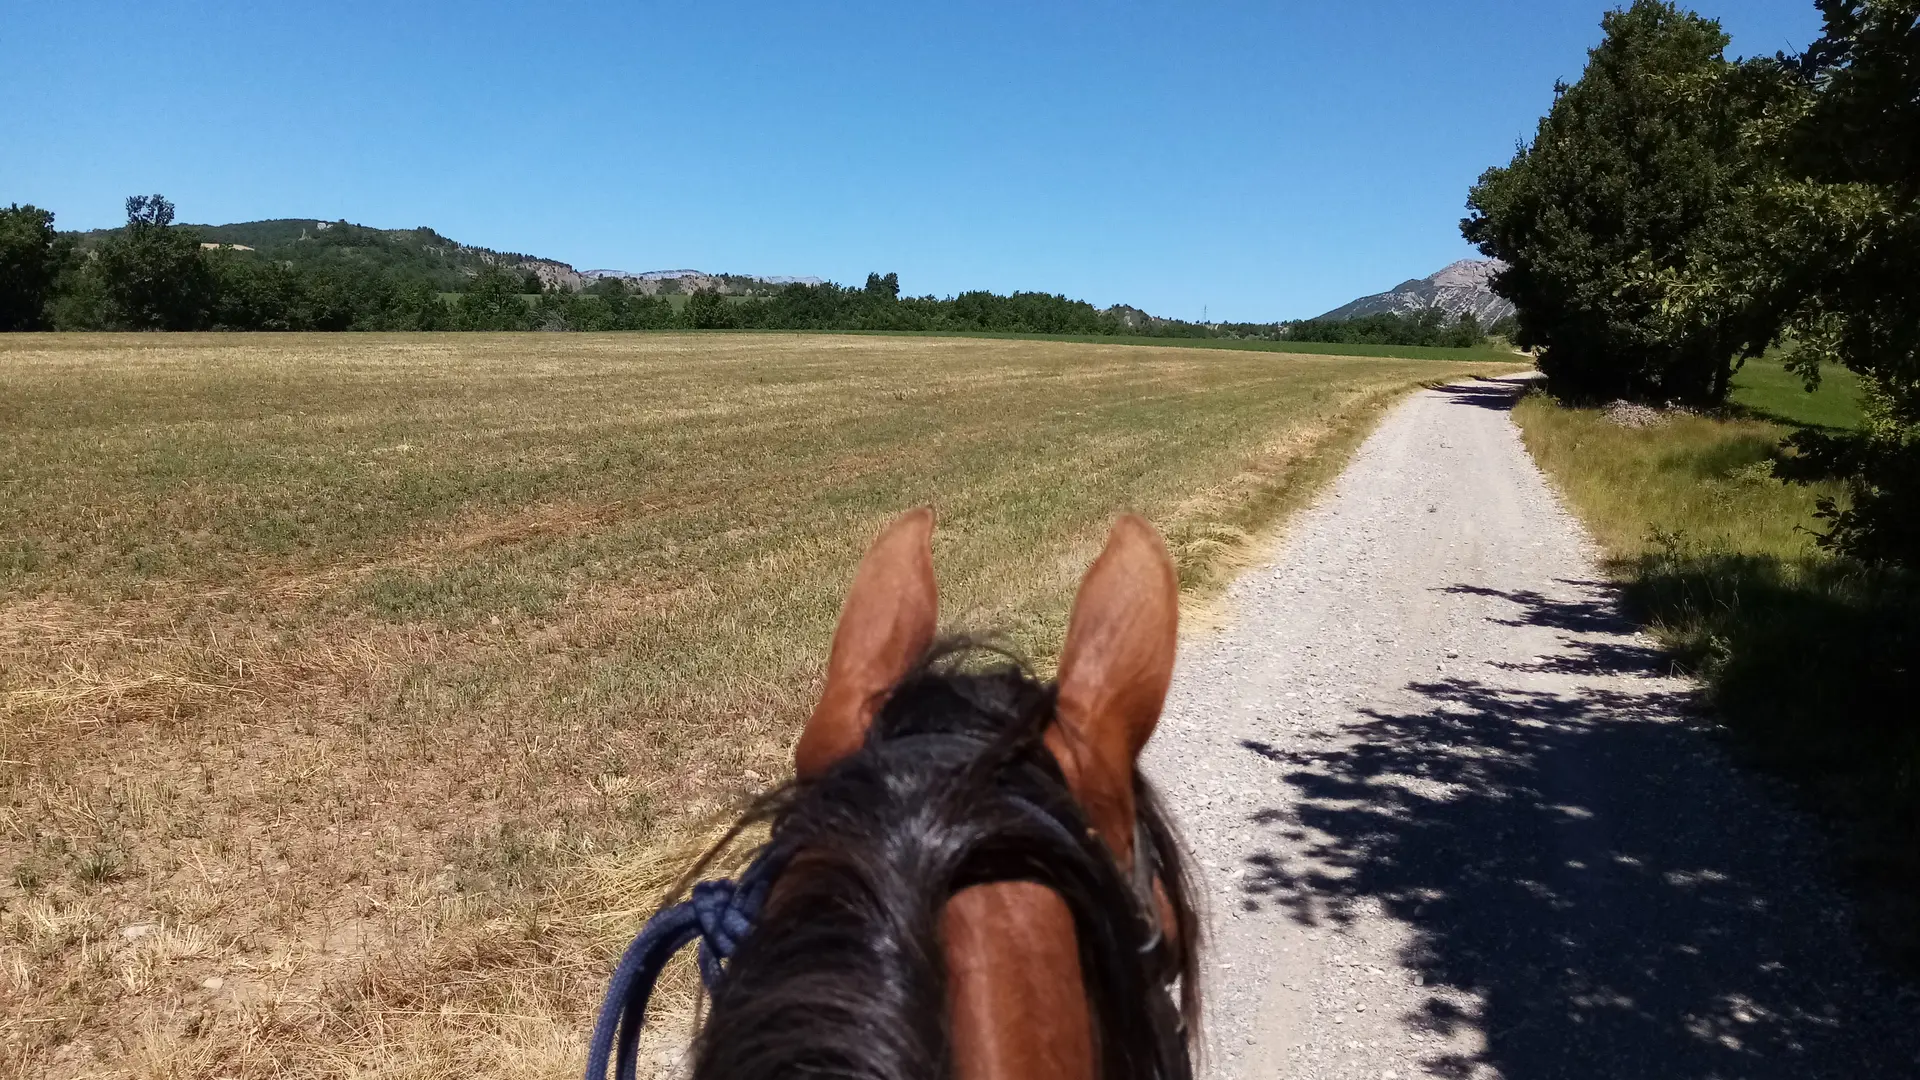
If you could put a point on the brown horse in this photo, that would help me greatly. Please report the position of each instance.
(968, 876)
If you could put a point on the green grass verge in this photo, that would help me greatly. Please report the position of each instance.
(1498, 354)
(1764, 389)
(1808, 659)
(1492, 354)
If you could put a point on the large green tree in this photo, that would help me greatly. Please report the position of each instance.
(1832, 252)
(1628, 175)
(154, 275)
(30, 259)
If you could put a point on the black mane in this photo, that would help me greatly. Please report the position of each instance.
(844, 975)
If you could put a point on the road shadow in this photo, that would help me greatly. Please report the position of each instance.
(1496, 394)
(1619, 901)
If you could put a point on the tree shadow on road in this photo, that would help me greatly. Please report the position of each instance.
(1496, 394)
(1619, 902)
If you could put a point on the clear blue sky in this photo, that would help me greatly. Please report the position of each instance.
(1259, 161)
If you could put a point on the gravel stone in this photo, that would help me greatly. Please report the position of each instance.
(1427, 745)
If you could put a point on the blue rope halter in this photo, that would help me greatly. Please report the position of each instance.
(720, 914)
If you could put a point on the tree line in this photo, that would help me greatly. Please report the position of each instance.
(156, 275)
(153, 274)
(1678, 212)
(1430, 326)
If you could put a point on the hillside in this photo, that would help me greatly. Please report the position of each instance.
(1462, 287)
(447, 263)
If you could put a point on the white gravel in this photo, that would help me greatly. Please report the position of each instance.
(1452, 820)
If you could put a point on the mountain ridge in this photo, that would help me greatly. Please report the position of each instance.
(1459, 288)
(448, 263)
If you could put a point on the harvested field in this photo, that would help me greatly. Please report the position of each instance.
(359, 694)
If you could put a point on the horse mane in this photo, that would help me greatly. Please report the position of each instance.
(844, 975)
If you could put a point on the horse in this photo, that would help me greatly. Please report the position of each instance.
(967, 875)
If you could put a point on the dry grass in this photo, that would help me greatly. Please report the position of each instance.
(359, 695)
(1698, 480)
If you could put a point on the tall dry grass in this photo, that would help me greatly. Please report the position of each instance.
(359, 694)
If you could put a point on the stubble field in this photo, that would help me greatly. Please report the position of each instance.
(358, 694)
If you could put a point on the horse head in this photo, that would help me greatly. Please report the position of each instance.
(969, 876)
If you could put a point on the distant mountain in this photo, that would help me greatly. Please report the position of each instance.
(1460, 288)
(424, 253)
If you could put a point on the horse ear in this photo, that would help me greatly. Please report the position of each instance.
(886, 626)
(1114, 674)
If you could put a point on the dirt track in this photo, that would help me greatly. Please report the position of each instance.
(1453, 819)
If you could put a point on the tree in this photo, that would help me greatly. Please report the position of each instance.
(30, 258)
(708, 310)
(493, 302)
(1465, 333)
(884, 288)
(154, 275)
(415, 305)
(1426, 327)
(265, 297)
(1833, 254)
(1628, 175)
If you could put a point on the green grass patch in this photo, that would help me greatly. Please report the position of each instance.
(1808, 659)
(1766, 390)
(1490, 353)
(1484, 354)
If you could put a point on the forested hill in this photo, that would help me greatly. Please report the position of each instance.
(424, 254)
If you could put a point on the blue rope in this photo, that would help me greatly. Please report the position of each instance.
(720, 913)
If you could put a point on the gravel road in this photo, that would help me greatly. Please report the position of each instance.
(1453, 820)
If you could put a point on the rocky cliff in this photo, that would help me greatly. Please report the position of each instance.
(1462, 287)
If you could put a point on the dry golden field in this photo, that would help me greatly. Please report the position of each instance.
(358, 694)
